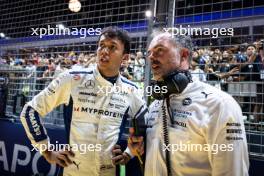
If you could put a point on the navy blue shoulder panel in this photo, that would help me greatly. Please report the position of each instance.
(67, 115)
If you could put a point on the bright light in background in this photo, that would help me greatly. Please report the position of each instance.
(2, 35)
(75, 5)
(148, 13)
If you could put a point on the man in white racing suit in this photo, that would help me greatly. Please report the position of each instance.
(204, 126)
(99, 98)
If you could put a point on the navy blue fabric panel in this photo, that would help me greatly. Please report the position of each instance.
(67, 115)
(81, 72)
(127, 82)
(35, 127)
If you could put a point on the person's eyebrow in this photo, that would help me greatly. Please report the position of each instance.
(114, 43)
(105, 40)
(159, 45)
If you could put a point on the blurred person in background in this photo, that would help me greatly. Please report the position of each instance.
(90, 60)
(259, 106)
(204, 56)
(131, 64)
(41, 68)
(2, 61)
(139, 66)
(228, 69)
(30, 65)
(36, 58)
(197, 73)
(250, 72)
(258, 44)
(218, 51)
(124, 71)
(51, 69)
(201, 62)
(80, 63)
(60, 66)
(241, 56)
(8, 61)
(213, 68)
(19, 63)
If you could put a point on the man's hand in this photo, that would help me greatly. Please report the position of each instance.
(233, 71)
(252, 58)
(62, 158)
(135, 143)
(119, 157)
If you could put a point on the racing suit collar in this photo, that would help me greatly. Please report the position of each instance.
(102, 81)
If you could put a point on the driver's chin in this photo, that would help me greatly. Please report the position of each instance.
(102, 68)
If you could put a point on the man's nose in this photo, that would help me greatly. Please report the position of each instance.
(150, 56)
(105, 50)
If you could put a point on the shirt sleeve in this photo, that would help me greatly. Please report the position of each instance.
(57, 92)
(138, 111)
(227, 139)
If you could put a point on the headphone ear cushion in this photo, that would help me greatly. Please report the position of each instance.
(158, 95)
(182, 81)
(176, 83)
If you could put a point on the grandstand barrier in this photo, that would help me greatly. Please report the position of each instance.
(23, 85)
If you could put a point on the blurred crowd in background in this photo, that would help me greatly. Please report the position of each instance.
(217, 66)
(133, 69)
(238, 63)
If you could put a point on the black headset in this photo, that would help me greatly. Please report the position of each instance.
(175, 83)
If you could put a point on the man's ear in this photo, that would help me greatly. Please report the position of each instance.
(125, 57)
(184, 54)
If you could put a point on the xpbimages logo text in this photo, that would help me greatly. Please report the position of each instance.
(81, 148)
(198, 31)
(188, 147)
(61, 30)
(108, 90)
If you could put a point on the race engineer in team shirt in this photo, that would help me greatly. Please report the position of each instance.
(194, 129)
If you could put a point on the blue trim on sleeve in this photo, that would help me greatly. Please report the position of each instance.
(139, 111)
(122, 128)
(67, 115)
(35, 127)
(130, 83)
(81, 72)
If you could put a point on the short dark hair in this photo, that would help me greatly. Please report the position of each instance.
(120, 34)
(251, 45)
